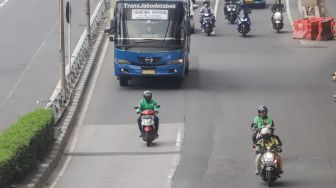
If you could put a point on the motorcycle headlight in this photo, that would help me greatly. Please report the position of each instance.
(121, 61)
(176, 62)
(268, 156)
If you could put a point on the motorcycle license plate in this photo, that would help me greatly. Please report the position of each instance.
(147, 128)
(269, 168)
(148, 72)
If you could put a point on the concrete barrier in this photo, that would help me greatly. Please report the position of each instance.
(309, 8)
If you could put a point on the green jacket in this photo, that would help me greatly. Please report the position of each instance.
(144, 105)
(258, 122)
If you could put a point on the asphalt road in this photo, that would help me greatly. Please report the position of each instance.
(230, 77)
(29, 58)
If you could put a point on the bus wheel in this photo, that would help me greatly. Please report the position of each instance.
(123, 81)
(186, 71)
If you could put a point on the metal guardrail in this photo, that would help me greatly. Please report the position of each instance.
(60, 100)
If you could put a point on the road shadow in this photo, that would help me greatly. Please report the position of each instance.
(154, 83)
(290, 183)
(158, 143)
(284, 32)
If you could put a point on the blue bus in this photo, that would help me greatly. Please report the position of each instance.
(151, 38)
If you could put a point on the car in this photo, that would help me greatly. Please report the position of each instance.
(255, 3)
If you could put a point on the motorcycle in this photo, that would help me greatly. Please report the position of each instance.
(231, 13)
(278, 20)
(244, 25)
(207, 23)
(269, 167)
(148, 128)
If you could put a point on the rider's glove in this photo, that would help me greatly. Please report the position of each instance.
(279, 150)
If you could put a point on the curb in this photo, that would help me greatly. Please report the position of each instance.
(70, 116)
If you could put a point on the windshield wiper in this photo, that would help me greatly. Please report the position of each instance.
(145, 41)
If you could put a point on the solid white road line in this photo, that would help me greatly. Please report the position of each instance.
(82, 115)
(289, 14)
(177, 158)
(215, 10)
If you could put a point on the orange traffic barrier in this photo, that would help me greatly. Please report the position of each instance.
(300, 28)
(314, 28)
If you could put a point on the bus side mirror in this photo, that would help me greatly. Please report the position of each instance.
(112, 28)
(195, 6)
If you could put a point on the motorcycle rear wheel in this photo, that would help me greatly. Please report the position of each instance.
(149, 143)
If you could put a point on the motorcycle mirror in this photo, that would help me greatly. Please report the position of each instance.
(136, 107)
(158, 106)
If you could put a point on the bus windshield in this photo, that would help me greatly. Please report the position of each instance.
(158, 28)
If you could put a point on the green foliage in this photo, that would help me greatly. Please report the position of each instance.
(24, 143)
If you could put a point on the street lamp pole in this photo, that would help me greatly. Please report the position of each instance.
(62, 53)
(69, 33)
(88, 28)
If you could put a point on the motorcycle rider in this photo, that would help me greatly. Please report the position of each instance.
(246, 11)
(268, 141)
(206, 9)
(147, 103)
(273, 136)
(277, 6)
(229, 2)
(261, 120)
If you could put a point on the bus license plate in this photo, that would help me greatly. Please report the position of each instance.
(148, 72)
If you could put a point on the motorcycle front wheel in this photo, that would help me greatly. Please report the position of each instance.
(244, 31)
(269, 178)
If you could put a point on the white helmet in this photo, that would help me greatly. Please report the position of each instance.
(265, 130)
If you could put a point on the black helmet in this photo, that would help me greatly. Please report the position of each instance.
(206, 3)
(277, 1)
(262, 109)
(147, 95)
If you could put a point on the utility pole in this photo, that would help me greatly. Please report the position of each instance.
(62, 53)
(68, 18)
(88, 28)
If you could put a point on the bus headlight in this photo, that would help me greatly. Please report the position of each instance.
(121, 61)
(175, 62)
